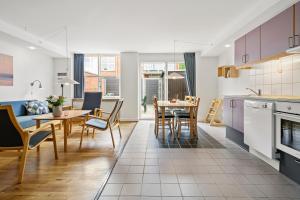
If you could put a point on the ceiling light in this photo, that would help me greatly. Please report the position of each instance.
(32, 48)
(227, 45)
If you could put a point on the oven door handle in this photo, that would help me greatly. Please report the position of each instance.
(285, 115)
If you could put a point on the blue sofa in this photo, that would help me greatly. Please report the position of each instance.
(26, 121)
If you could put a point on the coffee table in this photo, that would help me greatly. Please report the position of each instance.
(65, 118)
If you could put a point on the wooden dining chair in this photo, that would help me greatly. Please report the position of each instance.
(184, 118)
(104, 122)
(91, 101)
(169, 118)
(13, 137)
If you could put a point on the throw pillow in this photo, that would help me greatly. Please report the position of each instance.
(36, 107)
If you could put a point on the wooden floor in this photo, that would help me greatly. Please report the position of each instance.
(77, 174)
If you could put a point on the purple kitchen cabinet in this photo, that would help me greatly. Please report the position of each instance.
(233, 113)
(297, 24)
(277, 34)
(227, 111)
(240, 51)
(253, 45)
(238, 115)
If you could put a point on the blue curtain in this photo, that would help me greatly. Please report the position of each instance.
(190, 64)
(79, 75)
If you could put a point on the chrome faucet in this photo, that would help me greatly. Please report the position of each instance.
(256, 93)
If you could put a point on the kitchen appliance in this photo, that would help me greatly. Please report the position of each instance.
(259, 127)
(288, 128)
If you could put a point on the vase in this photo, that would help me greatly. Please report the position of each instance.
(57, 111)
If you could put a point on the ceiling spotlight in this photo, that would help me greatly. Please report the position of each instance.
(227, 45)
(32, 47)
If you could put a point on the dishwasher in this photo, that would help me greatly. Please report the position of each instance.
(259, 126)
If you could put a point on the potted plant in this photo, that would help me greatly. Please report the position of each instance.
(56, 103)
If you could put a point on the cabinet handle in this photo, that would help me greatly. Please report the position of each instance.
(297, 161)
(246, 58)
(242, 61)
(296, 40)
(291, 42)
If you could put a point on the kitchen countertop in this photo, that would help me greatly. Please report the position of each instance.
(295, 99)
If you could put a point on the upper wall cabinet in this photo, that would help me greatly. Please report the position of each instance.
(277, 34)
(297, 24)
(253, 46)
(240, 51)
(247, 48)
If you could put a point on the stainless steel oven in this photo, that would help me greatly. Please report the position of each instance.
(288, 128)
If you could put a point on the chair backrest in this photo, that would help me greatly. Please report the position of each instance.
(188, 98)
(114, 116)
(11, 133)
(92, 100)
(196, 108)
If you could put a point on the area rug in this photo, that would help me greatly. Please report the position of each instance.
(203, 139)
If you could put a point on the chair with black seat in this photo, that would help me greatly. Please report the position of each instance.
(91, 101)
(13, 137)
(104, 122)
(169, 118)
(184, 117)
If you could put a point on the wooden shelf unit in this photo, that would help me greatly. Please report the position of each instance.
(228, 72)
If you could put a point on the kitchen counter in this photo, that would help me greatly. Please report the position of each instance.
(294, 99)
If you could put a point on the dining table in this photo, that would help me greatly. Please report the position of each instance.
(163, 104)
(66, 117)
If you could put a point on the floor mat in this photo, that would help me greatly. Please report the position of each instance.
(203, 140)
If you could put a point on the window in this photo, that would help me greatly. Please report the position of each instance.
(102, 73)
(178, 67)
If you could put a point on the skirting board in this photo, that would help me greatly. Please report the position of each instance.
(272, 162)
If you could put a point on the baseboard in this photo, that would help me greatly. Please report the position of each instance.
(237, 137)
(272, 162)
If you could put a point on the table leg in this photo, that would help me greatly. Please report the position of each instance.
(163, 121)
(191, 122)
(66, 132)
(38, 125)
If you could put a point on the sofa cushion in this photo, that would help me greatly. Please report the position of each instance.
(36, 107)
(18, 107)
(28, 121)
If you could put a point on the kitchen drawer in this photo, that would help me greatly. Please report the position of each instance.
(290, 166)
(287, 107)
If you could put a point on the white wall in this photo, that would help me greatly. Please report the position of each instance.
(61, 65)
(206, 82)
(160, 57)
(232, 86)
(28, 66)
(130, 86)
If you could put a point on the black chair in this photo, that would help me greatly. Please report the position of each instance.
(104, 122)
(13, 137)
(92, 101)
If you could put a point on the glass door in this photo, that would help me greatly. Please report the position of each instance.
(153, 82)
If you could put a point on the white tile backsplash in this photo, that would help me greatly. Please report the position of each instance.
(287, 76)
(296, 76)
(277, 77)
(276, 89)
(287, 89)
(259, 80)
(268, 79)
(296, 89)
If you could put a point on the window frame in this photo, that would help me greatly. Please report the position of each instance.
(101, 77)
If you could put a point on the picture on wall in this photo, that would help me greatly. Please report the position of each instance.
(6, 70)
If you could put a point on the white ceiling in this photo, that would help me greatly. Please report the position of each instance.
(106, 26)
